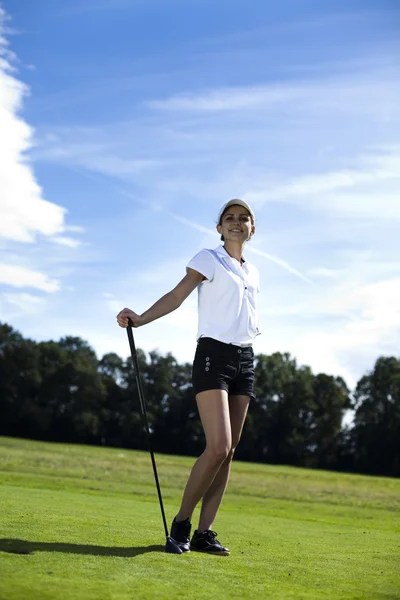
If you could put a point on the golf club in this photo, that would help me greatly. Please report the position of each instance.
(171, 546)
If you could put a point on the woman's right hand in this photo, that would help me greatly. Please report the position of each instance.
(127, 313)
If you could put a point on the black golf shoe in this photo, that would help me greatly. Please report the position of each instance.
(206, 541)
(180, 532)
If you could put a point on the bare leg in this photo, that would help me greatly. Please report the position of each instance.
(213, 408)
(212, 499)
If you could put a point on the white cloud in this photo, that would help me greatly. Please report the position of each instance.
(324, 272)
(185, 317)
(278, 261)
(341, 327)
(282, 263)
(19, 277)
(374, 310)
(26, 304)
(24, 212)
(114, 306)
(229, 99)
(341, 94)
(74, 228)
(313, 155)
(94, 156)
(372, 191)
(66, 241)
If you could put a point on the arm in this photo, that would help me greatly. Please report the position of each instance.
(164, 305)
(174, 298)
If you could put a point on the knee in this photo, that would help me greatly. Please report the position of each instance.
(217, 454)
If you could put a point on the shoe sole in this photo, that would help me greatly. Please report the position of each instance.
(184, 550)
(216, 552)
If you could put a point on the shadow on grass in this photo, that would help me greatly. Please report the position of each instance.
(24, 547)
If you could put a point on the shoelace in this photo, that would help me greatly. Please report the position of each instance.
(211, 536)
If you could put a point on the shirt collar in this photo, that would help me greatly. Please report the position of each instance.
(222, 252)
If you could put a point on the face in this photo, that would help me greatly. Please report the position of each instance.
(236, 224)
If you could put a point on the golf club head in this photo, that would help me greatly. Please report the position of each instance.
(172, 547)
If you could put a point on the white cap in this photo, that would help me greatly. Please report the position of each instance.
(236, 202)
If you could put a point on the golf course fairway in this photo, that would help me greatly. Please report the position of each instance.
(84, 522)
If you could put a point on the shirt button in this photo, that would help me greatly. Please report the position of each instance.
(207, 369)
(239, 352)
(207, 358)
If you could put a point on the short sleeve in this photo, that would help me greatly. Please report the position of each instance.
(203, 263)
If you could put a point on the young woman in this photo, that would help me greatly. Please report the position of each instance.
(223, 368)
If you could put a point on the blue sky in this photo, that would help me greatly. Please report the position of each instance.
(126, 124)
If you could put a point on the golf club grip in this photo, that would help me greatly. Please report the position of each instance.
(135, 365)
(132, 347)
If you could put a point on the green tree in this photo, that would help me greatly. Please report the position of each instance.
(331, 398)
(168, 396)
(376, 432)
(296, 417)
(20, 382)
(133, 433)
(72, 390)
(178, 428)
(119, 417)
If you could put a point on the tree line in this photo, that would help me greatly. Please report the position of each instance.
(60, 391)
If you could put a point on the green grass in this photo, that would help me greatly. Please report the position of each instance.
(80, 523)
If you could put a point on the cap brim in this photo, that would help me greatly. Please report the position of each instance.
(236, 202)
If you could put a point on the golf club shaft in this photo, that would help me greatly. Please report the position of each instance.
(135, 364)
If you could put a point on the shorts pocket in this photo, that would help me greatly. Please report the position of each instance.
(247, 367)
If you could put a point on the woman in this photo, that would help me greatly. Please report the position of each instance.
(223, 368)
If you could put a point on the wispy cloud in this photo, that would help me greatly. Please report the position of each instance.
(229, 99)
(278, 261)
(233, 156)
(112, 303)
(207, 230)
(21, 277)
(190, 223)
(156, 207)
(22, 303)
(327, 92)
(66, 241)
(88, 6)
(95, 156)
(348, 192)
(74, 228)
(256, 110)
(323, 272)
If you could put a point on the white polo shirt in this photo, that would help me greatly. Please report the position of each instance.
(227, 299)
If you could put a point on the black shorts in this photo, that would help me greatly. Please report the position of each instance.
(220, 366)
